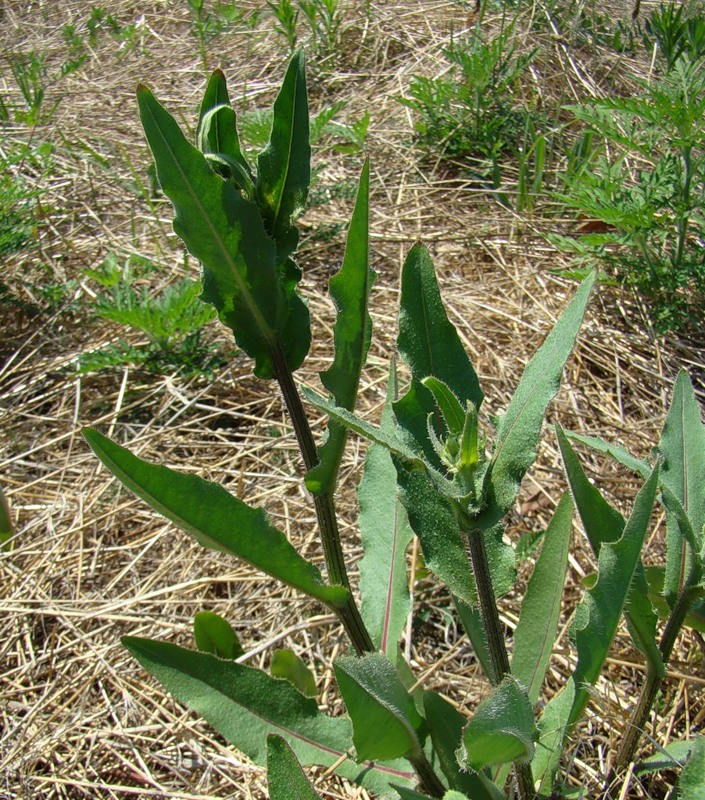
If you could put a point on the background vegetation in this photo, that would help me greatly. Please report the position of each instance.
(520, 141)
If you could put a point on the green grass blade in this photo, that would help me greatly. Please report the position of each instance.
(245, 705)
(285, 778)
(519, 428)
(215, 518)
(6, 527)
(350, 289)
(430, 346)
(536, 630)
(385, 533)
(383, 714)
(284, 166)
(682, 447)
(603, 523)
(227, 235)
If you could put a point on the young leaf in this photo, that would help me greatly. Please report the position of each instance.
(285, 778)
(385, 533)
(519, 429)
(445, 725)
(448, 404)
(217, 125)
(618, 453)
(215, 635)
(540, 609)
(501, 730)
(284, 167)
(430, 346)
(384, 718)
(215, 518)
(226, 234)
(245, 705)
(350, 288)
(287, 665)
(603, 523)
(682, 446)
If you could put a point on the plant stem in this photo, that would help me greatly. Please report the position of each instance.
(495, 637)
(649, 690)
(349, 614)
(430, 782)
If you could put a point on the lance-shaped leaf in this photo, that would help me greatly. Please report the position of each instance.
(286, 779)
(501, 730)
(603, 523)
(245, 705)
(430, 346)
(287, 665)
(445, 725)
(384, 717)
(215, 635)
(618, 453)
(217, 127)
(226, 234)
(385, 533)
(682, 447)
(350, 288)
(596, 622)
(519, 428)
(536, 630)
(284, 167)
(215, 518)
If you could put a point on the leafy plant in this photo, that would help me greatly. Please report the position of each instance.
(324, 19)
(173, 321)
(644, 179)
(430, 471)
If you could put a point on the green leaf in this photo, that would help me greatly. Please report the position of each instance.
(385, 534)
(603, 523)
(350, 288)
(682, 447)
(215, 635)
(284, 166)
(246, 704)
(501, 730)
(385, 720)
(409, 794)
(673, 755)
(471, 620)
(692, 780)
(655, 575)
(536, 630)
(215, 518)
(287, 665)
(618, 453)
(285, 778)
(6, 528)
(217, 123)
(519, 428)
(553, 730)
(445, 726)
(430, 346)
(448, 404)
(226, 234)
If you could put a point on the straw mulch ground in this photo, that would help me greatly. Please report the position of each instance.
(78, 718)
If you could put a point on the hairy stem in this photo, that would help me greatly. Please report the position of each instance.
(495, 638)
(430, 782)
(649, 689)
(349, 615)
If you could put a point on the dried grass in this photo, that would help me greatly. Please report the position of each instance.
(90, 563)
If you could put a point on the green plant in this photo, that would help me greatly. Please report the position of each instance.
(644, 179)
(174, 322)
(324, 18)
(430, 471)
(287, 17)
(207, 24)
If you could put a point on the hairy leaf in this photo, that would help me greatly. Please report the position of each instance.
(350, 288)
(519, 428)
(285, 778)
(383, 714)
(215, 518)
(692, 780)
(246, 704)
(536, 630)
(618, 453)
(215, 635)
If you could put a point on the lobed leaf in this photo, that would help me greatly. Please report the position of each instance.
(519, 429)
(536, 630)
(215, 518)
(285, 778)
(215, 635)
(350, 289)
(245, 705)
(384, 718)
